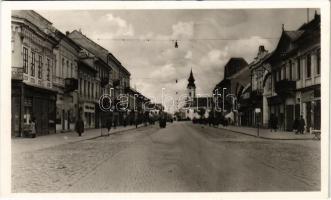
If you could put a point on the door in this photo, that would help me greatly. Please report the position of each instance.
(297, 111)
(68, 120)
(63, 120)
(308, 115)
(289, 117)
(317, 115)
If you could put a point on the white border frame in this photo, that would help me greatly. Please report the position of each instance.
(5, 92)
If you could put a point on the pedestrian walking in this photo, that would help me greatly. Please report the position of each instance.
(33, 127)
(136, 119)
(109, 124)
(296, 125)
(274, 123)
(302, 124)
(79, 127)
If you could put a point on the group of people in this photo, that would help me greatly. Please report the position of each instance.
(298, 124)
(136, 119)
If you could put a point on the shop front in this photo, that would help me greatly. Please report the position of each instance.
(30, 102)
(89, 115)
(311, 108)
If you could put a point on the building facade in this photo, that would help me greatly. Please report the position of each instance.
(259, 89)
(33, 94)
(296, 77)
(65, 81)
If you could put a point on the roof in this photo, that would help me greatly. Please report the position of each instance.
(62, 36)
(234, 65)
(293, 35)
(95, 48)
(314, 23)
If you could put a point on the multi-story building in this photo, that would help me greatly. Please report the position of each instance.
(119, 76)
(95, 83)
(65, 81)
(33, 61)
(260, 79)
(296, 72)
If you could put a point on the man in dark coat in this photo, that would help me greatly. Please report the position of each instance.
(302, 124)
(109, 124)
(79, 126)
(296, 125)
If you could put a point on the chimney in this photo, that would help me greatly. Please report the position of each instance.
(283, 27)
(315, 16)
(67, 33)
(261, 49)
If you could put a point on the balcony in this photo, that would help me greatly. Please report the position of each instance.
(17, 73)
(70, 84)
(104, 81)
(285, 88)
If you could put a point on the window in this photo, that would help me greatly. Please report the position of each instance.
(62, 70)
(40, 67)
(279, 75)
(80, 86)
(67, 75)
(298, 69)
(318, 64)
(308, 66)
(33, 63)
(72, 70)
(84, 88)
(25, 60)
(284, 72)
(88, 89)
(290, 70)
(92, 93)
(48, 65)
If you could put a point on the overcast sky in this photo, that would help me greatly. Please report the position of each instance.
(206, 39)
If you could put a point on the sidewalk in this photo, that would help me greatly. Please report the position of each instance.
(31, 144)
(267, 134)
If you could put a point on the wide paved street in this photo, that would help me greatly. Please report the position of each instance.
(183, 157)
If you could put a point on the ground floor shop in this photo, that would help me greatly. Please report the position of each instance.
(305, 103)
(88, 114)
(66, 111)
(29, 102)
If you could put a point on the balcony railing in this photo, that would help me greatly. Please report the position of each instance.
(285, 88)
(70, 84)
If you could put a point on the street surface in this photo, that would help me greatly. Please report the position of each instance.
(183, 157)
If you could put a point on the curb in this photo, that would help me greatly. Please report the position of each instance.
(120, 131)
(267, 138)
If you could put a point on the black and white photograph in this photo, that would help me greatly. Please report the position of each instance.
(167, 100)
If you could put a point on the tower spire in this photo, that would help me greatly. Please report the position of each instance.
(191, 80)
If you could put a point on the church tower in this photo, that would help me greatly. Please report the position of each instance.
(191, 86)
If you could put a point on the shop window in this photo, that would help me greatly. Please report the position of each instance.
(308, 66)
(25, 60)
(33, 63)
